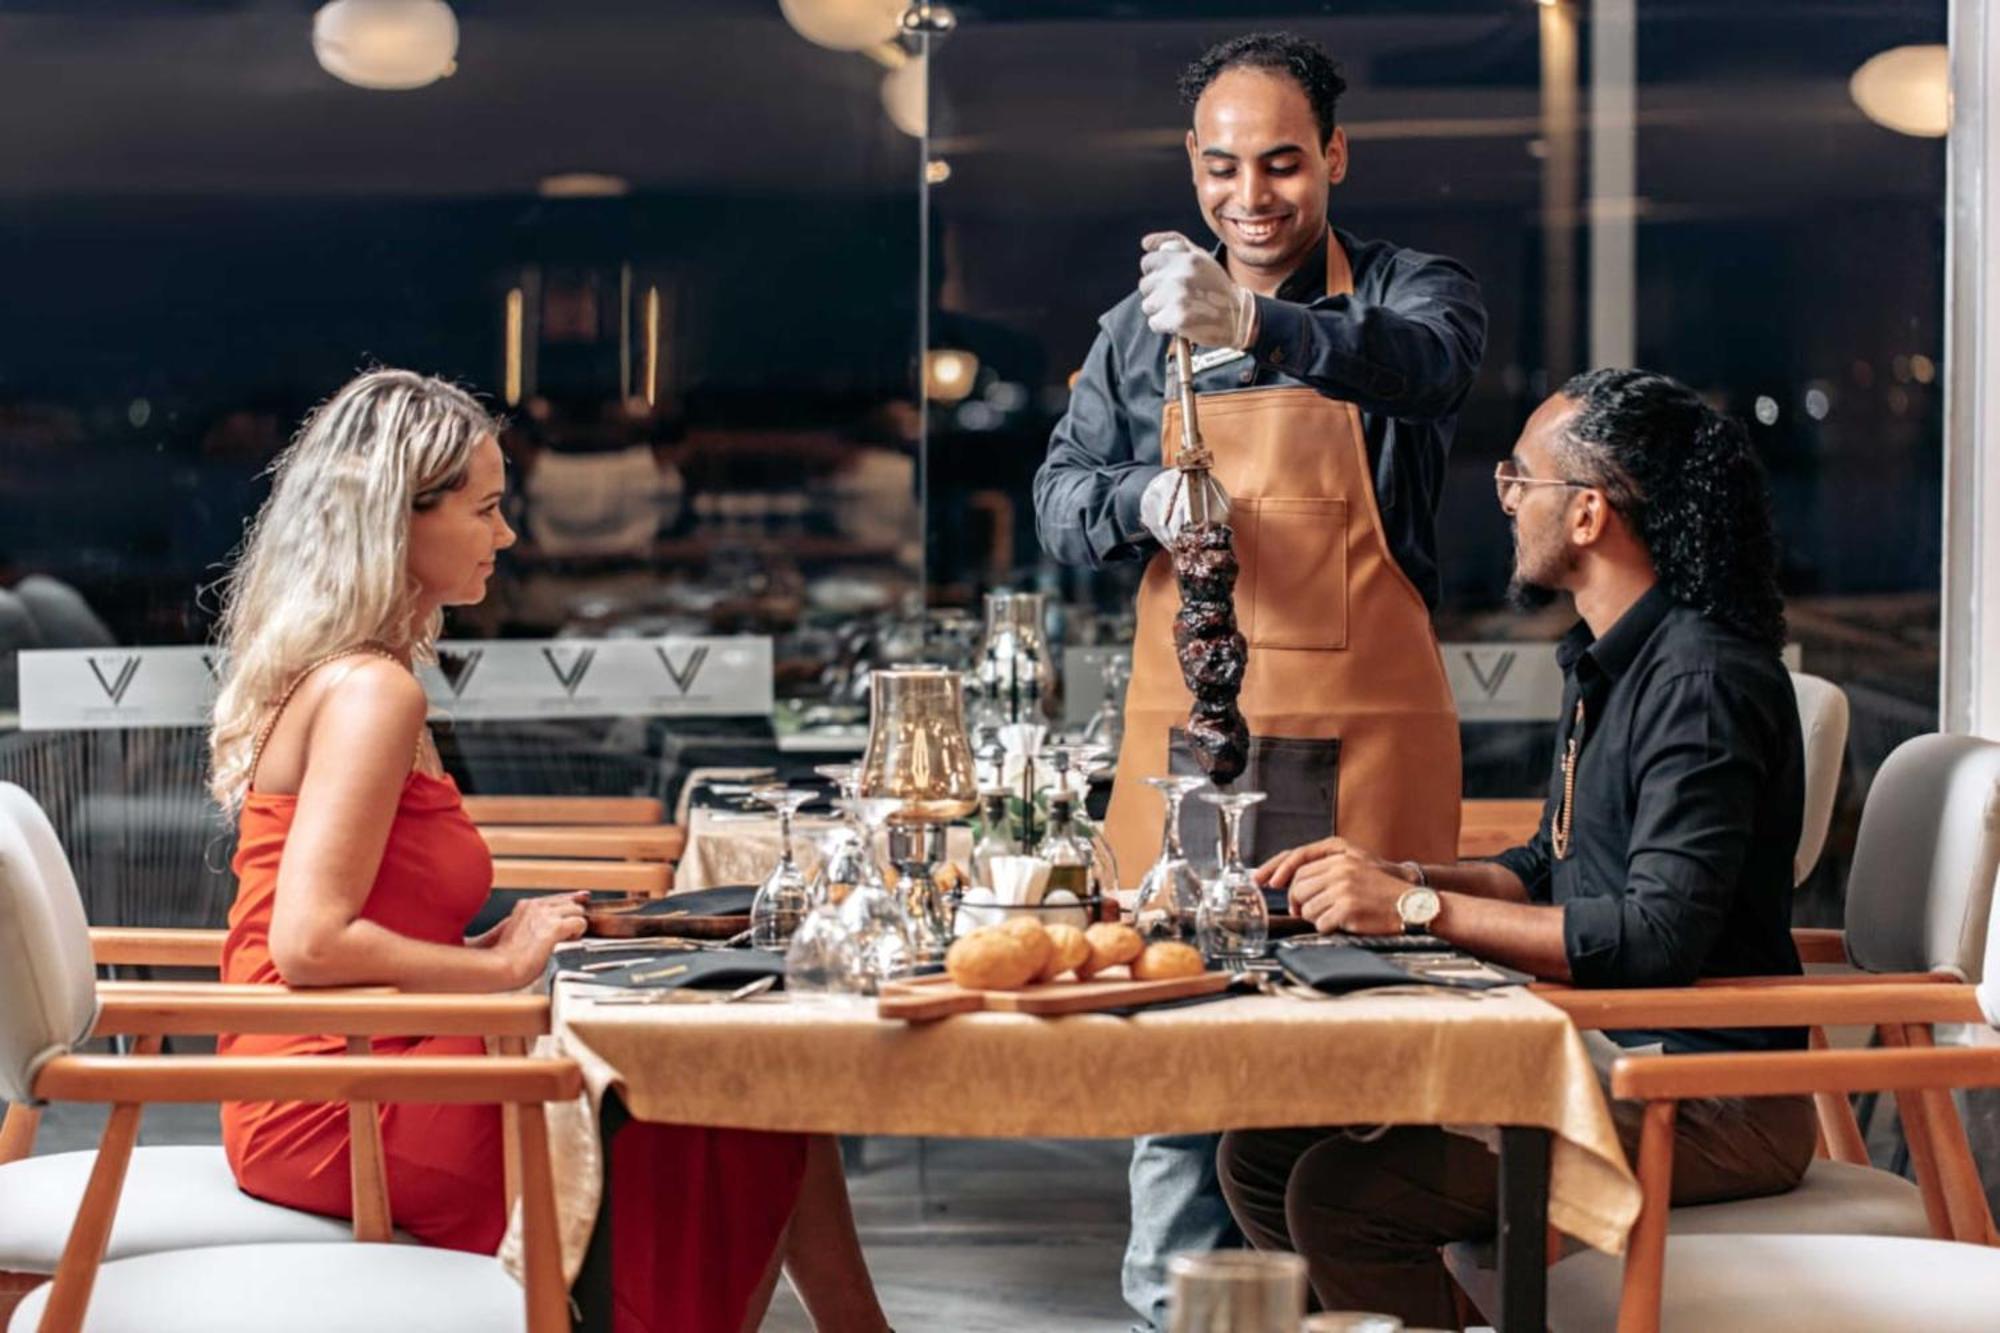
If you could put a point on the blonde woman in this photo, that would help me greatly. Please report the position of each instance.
(356, 865)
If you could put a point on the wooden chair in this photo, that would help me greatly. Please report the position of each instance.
(1918, 899)
(363, 1283)
(598, 811)
(174, 1197)
(607, 844)
(1829, 1283)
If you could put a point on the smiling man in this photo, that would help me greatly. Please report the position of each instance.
(1331, 371)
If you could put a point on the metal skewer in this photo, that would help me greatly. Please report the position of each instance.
(1207, 502)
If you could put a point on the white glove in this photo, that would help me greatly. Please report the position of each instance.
(1163, 505)
(1184, 291)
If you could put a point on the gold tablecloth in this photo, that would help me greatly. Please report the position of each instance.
(1504, 1057)
(731, 848)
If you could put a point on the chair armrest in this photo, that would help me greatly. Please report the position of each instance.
(390, 1078)
(565, 810)
(1787, 1073)
(649, 879)
(145, 946)
(364, 1013)
(635, 842)
(1818, 944)
(1801, 1004)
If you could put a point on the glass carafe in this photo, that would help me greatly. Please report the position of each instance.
(1170, 894)
(1233, 921)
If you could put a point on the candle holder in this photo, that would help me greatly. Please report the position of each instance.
(1015, 674)
(920, 759)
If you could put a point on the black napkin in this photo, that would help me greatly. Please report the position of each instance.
(702, 969)
(1336, 969)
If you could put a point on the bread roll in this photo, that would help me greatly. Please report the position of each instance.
(1068, 950)
(990, 959)
(1033, 938)
(1166, 960)
(1111, 944)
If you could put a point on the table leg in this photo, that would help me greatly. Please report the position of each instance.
(590, 1298)
(1524, 1234)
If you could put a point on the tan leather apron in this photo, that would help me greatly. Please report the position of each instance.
(1353, 729)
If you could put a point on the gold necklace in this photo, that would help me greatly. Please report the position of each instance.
(1559, 833)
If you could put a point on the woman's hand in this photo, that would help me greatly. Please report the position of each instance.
(535, 927)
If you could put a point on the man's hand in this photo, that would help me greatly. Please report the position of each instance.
(1278, 872)
(1351, 892)
(1163, 506)
(1184, 291)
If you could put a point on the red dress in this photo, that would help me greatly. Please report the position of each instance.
(701, 1211)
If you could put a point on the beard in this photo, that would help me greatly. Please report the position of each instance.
(1538, 575)
(1524, 595)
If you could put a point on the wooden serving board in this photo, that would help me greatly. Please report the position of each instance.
(928, 998)
(622, 921)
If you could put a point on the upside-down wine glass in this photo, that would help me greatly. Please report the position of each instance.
(1233, 921)
(786, 894)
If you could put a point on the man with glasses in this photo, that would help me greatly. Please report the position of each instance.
(1664, 854)
(1331, 370)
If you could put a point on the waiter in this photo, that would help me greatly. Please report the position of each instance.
(1330, 370)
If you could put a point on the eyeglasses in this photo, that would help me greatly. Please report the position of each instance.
(1508, 481)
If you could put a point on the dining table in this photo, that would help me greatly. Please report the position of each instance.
(1499, 1063)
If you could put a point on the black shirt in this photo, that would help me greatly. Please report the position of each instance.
(1404, 348)
(1690, 789)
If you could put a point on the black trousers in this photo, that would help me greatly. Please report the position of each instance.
(1370, 1213)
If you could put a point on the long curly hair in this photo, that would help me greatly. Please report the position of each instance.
(325, 564)
(1686, 478)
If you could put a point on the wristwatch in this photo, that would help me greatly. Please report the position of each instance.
(1418, 906)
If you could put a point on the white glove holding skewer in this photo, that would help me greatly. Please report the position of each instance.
(1184, 291)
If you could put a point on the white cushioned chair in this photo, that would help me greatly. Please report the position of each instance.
(1823, 725)
(174, 1197)
(50, 1001)
(1918, 897)
(1750, 1283)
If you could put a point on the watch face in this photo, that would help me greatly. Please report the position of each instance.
(1418, 906)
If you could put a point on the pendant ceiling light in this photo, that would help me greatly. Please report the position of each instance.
(386, 44)
(1906, 89)
(844, 25)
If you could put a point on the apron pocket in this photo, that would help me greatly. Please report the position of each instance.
(1300, 780)
(1294, 593)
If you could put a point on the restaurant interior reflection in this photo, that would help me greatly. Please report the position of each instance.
(780, 308)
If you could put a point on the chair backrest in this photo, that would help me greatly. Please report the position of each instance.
(1921, 887)
(1823, 723)
(48, 983)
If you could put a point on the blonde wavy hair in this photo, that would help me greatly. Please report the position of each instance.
(324, 567)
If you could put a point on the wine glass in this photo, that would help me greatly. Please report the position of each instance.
(1107, 724)
(1233, 921)
(786, 894)
(842, 858)
(875, 923)
(1170, 894)
(818, 965)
